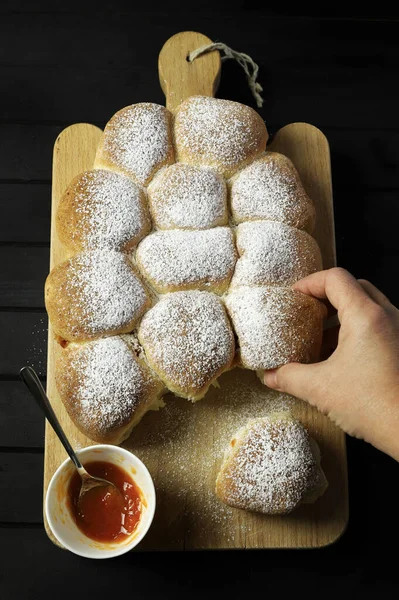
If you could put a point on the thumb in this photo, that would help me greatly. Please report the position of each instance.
(302, 381)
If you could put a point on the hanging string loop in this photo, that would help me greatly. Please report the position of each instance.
(250, 67)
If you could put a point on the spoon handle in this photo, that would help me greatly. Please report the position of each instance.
(32, 382)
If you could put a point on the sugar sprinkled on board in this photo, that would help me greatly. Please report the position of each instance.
(187, 339)
(188, 259)
(187, 197)
(109, 210)
(270, 188)
(101, 292)
(274, 254)
(189, 471)
(36, 352)
(138, 140)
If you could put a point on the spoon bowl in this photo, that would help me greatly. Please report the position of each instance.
(62, 526)
(90, 482)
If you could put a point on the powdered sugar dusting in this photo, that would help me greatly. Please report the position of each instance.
(274, 254)
(187, 336)
(188, 340)
(218, 133)
(138, 140)
(187, 197)
(111, 383)
(184, 453)
(270, 189)
(188, 259)
(266, 321)
(109, 211)
(270, 468)
(101, 293)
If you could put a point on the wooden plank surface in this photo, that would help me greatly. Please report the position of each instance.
(74, 151)
(21, 424)
(336, 63)
(364, 159)
(24, 335)
(182, 445)
(17, 476)
(180, 78)
(27, 219)
(23, 276)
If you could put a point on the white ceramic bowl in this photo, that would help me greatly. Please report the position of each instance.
(61, 522)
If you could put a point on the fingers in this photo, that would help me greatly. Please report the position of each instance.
(375, 293)
(296, 379)
(336, 285)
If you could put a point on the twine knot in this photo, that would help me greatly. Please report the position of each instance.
(250, 67)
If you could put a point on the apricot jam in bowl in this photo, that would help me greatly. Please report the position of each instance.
(106, 522)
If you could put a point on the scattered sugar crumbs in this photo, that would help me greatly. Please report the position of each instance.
(183, 447)
(37, 351)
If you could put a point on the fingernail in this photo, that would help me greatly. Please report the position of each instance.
(270, 378)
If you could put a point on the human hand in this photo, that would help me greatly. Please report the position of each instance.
(358, 385)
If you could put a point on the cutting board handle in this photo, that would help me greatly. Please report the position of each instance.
(179, 78)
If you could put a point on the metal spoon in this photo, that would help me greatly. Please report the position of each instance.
(32, 382)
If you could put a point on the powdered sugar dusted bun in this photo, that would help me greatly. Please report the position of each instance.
(182, 260)
(186, 197)
(94, 294)
(137, 142)
(102, 209)
(271, 466)
(270, 189)
(217, 133)
(106, 387)
(188, 341)
(275, 326)
(272, 253)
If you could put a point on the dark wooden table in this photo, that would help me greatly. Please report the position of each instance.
(67, 62)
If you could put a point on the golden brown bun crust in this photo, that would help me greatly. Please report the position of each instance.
(137, 142)
(275, 326)
(218, 133)
(270, 189)
(102, 209)
(188, 341)
(106, 408)
(94, 294)
(270, 467)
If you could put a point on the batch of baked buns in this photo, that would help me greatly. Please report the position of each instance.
(184, 241)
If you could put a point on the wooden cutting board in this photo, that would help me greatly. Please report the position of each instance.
(183, 443)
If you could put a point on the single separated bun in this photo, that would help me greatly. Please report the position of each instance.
(271, 466)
